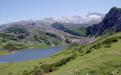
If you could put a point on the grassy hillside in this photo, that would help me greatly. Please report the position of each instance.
(20, 37)
(81, 31)
(100, 58)
(70, 28)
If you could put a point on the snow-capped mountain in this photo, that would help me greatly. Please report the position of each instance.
(91, 17)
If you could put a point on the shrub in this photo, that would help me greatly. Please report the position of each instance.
(37, 71)
(48, 67)
(64, 61)
(41, 69)
(110, 40)
(52, 67)
(16, 29)
(11, 45)
(107, 45)
(96, 46)
(88, 51)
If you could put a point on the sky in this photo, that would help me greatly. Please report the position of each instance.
(17, 10)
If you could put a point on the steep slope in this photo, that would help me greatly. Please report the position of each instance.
(111, 23)
(99, 58)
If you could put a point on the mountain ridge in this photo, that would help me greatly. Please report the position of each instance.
(110, 23)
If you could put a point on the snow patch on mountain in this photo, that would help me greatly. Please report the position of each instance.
(93, 17)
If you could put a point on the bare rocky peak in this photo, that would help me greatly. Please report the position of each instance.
(110, 23)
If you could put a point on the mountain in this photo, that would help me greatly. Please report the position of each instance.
(69, 22)
(96, 17)
(111, 23)
(101, 57)
(90, 17)
(17, 37)
(76, 25)
(45, 32)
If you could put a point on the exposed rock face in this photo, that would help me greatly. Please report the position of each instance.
(111, 22)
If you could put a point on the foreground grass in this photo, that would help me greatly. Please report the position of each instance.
(105, 61)
(19, 67)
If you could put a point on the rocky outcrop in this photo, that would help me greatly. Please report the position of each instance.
(111, 23)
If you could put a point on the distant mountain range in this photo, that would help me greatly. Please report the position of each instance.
(96, 17)
(45, 32)
(46, 24)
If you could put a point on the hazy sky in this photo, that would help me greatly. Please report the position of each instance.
(16, 10)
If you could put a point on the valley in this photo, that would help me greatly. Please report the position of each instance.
(81, 60)
(62, 46)
(43, 33)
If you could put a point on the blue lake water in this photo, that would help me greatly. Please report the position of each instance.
(30, 54)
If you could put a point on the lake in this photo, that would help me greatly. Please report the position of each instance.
(30, 54)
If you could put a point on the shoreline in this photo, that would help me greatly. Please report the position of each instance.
(13, 52)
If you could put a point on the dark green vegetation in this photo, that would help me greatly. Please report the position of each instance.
(81, 30)
(70, 28)
(42, 68)
(19, 37)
